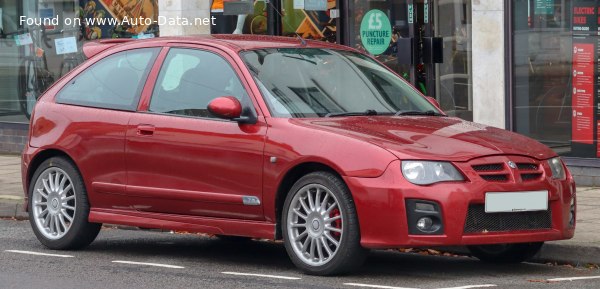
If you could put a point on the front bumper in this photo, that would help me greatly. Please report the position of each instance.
(381, 207)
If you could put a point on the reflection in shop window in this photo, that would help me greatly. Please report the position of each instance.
(32, 57)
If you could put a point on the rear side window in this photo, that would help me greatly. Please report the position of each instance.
(115, 82)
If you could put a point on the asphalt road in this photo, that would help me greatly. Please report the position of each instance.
(194, 261)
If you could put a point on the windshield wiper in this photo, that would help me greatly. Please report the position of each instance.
(367, 112)
(414, 112)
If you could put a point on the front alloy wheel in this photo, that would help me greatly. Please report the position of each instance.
(320, 226)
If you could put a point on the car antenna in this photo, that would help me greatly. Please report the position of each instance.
(302, 40)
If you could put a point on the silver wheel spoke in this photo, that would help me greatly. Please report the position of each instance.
(41, 192)
(333, 219)
(304, 206)
(56, 181)
(312, 248)
(61, 218)
(44, 212)
(306, 243)
(64, 213)
(318, 199)
(65, 200)
(65, 190)
(61, 185)
(298, 226)
(299, 237)
(332, 240)
(40, 204)
(69, 207)
(297, 212)
(334, 229)
(319, 249)
(311, 203)
(326, 246)
(324, 203)
(333, 206)
(46, 187)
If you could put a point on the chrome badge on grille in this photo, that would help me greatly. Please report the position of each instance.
(512, 165)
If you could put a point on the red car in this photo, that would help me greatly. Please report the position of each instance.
(276, 138)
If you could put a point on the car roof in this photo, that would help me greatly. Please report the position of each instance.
(236, 43)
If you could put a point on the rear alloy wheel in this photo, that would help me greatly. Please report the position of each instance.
(58, 206)
(320, 226)
(506, 253)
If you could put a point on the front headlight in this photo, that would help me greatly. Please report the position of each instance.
(428, 172)
(557, 168)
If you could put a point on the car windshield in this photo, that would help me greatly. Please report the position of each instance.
(311, 82)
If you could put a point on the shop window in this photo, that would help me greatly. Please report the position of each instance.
(114, 83)
(555, 75)
(190, 79)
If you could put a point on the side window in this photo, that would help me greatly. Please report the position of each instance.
(190, 79)
(115, 82)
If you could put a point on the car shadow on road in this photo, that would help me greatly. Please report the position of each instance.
(269, 255)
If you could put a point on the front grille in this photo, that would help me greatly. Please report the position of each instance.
(527, 167)
(488, 167)
(495, 178)
(478, 221)
(530, 176)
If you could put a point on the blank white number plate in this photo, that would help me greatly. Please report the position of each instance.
(516, 201)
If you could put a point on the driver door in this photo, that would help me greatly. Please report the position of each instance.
(183, 160)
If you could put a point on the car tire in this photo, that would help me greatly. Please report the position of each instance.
(59, 207)
(506, 253)
(320, 226)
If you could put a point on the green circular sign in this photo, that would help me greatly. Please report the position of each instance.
(376, 32)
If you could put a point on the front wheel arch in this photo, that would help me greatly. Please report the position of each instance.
(290, 178)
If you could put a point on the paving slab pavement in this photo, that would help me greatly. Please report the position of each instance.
(583, 249)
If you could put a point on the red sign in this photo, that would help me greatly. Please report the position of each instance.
(583, 93)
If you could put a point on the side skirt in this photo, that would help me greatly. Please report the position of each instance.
(254, 229)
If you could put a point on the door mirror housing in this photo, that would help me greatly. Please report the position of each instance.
(226, 107)
(434, 102)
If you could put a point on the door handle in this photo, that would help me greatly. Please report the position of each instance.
(145, 129)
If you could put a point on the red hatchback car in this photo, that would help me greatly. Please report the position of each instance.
(275, 138)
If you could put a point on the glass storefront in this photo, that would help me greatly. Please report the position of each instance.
(40, 41)
(418, 21)
(555, 74)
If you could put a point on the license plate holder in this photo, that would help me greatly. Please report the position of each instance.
(525, 201)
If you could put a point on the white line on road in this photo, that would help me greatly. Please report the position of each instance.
(375, 286)
(262, 275)
(149, 264)
(471, 286)
(38, 254)
(573, 278)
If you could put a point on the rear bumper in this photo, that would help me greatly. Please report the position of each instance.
(381, 207)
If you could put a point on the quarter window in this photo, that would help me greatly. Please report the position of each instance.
(115, 82)
(190, 79)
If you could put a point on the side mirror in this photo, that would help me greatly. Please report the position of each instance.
(434, 102)
(227, 107)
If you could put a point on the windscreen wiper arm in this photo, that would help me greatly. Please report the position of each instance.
(367, 112)
(424, 113)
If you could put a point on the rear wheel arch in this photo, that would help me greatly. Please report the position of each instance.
(40, 157)
(290, 178)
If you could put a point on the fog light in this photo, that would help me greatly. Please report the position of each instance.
(425, 224)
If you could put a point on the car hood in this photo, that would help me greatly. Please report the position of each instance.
(431, 137)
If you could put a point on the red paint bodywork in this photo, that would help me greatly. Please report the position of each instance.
(159, 171)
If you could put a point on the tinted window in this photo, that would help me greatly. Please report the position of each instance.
(114, 82)
(190, 79)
